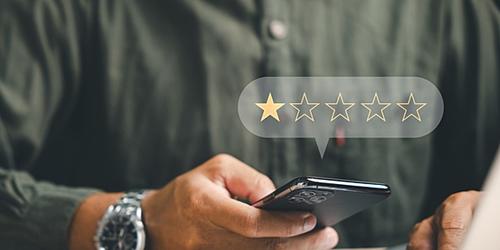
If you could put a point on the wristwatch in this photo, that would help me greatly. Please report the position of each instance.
(121, 226)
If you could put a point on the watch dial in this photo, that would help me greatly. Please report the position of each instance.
(118, 234)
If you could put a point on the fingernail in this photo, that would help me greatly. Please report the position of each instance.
(309, 222)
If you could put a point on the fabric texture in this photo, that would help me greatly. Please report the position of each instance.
(118, 95)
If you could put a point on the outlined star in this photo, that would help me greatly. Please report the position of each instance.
(270, 108)
(306, 105)
(404, 106)
(384, 105)
(345, 107)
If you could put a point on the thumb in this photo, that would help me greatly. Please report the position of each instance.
(240, 179)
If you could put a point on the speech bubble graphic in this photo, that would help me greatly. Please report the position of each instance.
(350, 107)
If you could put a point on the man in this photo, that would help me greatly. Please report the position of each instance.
(119, 95)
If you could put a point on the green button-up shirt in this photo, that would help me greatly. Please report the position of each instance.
(115, 95)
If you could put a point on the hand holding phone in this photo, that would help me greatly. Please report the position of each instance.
(197, 210)
(330, 200)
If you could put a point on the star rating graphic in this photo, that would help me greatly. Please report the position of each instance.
(379, 109)
(340, 108)
(407, 106)
(300, 107)
(270, 108)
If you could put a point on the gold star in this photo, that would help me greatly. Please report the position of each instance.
(342, 114)
(412, 100)
(302, 104)
(270, 108)
(381, 110)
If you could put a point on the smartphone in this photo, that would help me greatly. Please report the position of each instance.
(330, 200)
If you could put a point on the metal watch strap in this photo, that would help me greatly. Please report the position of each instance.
(133, 198)
(128, 206)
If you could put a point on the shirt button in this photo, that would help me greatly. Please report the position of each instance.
(278, 29)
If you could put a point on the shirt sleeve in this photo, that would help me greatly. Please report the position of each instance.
(35, 214)
(39, 80)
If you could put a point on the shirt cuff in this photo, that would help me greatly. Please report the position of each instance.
(44, 220)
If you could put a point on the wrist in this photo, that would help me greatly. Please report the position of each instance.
(86, 218)
(147, 209)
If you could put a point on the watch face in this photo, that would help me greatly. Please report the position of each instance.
(120, 232)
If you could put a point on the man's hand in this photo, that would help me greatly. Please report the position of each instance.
(197, 211)
(446, 229)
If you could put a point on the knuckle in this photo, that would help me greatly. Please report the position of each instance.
(473, 192)
(416, 227)
(456, 198)
(449, 204)
(179, 181)
(471, 195)
(422, 226)
(461, 200)
(218, 163)
(215, 169)
(221, 158)
(186, 183)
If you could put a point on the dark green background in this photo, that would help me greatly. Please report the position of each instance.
(128, 94)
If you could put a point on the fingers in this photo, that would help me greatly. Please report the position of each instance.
(326, 238)
(447, 228)
(241, 180)
(252, 222)
(238, 178)
(423, 236)
(453, 218)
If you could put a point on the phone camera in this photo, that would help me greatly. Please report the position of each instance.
(307, 194)
(317, 199)
(296, 200)
(326, 193)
